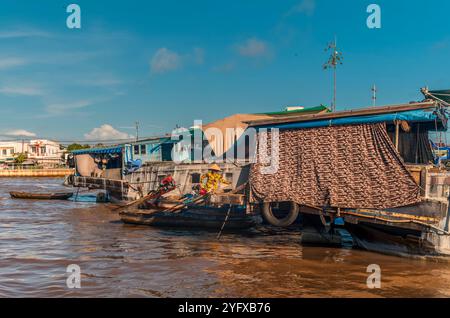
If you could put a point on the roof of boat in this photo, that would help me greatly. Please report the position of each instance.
(346, 113)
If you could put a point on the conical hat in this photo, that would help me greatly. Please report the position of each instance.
(215, 167)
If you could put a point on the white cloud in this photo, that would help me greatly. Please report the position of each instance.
(164, 61)
(106, 132)
(253, 47)
(10, 62)
(306, 7)
(23, 33)
(104, 80)
(63, 108)
(20, 133)
(442, 44)
(198, 55)
(17, 90)
(224, 68)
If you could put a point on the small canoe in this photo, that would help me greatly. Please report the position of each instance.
(190, 217)
(41, 196)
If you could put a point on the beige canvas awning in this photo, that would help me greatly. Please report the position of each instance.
(238, 123)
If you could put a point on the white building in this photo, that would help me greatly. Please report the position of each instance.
(8, 149)
(43, 152)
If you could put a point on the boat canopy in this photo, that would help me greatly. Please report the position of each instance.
(109, 150)
(412, 116)
(347, 166)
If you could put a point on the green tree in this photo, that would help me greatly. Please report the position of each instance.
(20, 158)
(76, 146)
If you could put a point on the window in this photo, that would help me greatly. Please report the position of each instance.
(166, 151)
(143, 149)
(195, 177)
(136, 149)
(4, 152)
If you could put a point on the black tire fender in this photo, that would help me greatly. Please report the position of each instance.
(266, 211)
(70, 180)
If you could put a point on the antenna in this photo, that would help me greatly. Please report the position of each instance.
(374, 95)
(137, 130)
(333, 61)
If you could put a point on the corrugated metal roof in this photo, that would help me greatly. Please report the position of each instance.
(416, 116)
(115, 149)
(342, 114)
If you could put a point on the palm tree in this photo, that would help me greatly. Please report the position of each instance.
(20, 158)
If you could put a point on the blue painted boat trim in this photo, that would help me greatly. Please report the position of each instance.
(117, 149)
(410, 116)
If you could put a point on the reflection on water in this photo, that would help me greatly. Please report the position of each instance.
(39, 239)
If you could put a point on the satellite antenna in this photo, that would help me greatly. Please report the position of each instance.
(333, 61)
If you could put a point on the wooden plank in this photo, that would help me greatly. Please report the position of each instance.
(234, 199)
(438, 180)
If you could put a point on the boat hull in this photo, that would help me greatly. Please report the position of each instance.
(191, 217)
(41, 196)
(400, 242)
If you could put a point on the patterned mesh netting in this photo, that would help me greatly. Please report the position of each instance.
(354, 166)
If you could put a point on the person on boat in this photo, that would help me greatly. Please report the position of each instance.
(168, 183)
(210, 181)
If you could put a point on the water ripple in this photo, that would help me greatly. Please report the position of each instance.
(39, 239)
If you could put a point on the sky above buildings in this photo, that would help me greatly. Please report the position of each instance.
(166, 63)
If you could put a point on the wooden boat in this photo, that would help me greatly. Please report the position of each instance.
(190, 217)
(41, 196)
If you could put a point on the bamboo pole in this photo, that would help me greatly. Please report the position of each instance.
(397, 131)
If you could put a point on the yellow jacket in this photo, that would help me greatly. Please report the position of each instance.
(211, 180)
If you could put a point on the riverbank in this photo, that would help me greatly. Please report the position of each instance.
(36, 172)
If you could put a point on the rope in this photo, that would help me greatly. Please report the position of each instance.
(438, 99)
(435, 126)
(76, 196)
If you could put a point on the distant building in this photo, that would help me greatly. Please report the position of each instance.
(43, 152)
(8, 150)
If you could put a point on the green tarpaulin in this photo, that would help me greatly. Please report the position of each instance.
(305, 111)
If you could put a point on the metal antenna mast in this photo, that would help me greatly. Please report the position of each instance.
(137, 130)
(374, 95)
(333, 61)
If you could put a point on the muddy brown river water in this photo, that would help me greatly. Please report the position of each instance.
(39, 239)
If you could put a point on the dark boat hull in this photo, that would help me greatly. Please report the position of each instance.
(400, 242)
(41, 196)
(192, 217)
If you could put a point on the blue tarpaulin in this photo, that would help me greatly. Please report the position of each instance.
(410, 116)
(117, 149)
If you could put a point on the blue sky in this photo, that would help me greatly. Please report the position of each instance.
(169, 62)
